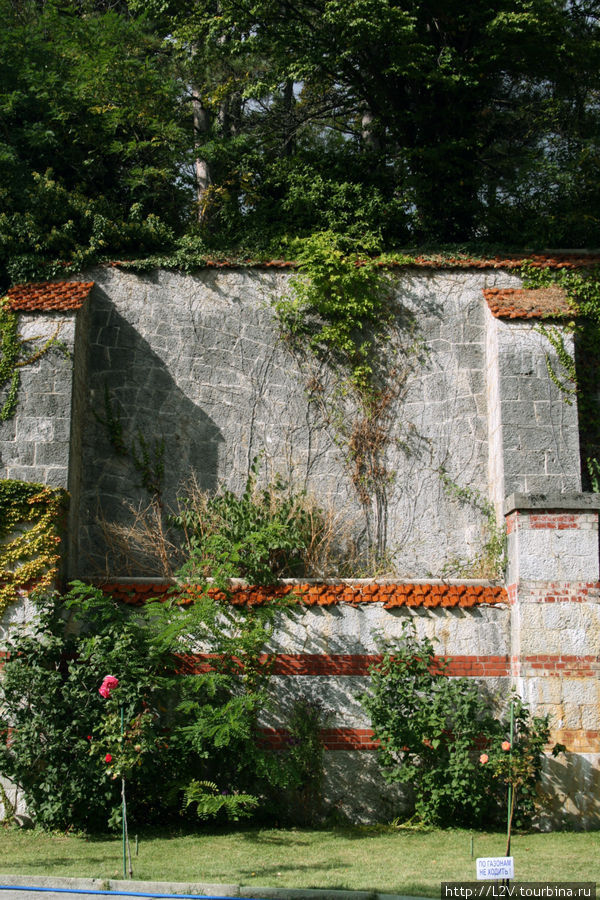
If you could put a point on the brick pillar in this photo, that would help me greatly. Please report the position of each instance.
(554, 592)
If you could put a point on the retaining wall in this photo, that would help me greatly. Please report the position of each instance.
(198, 361)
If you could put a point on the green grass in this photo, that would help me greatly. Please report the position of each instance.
(393, 861)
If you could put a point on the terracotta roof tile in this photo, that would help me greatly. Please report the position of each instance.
(524, 303)
(49, 296)
(391, 595)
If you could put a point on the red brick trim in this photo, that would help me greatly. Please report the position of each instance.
(333, 739)
(359, 664)
(577, 741)
(555, 592)
(337, 664)
(563, 666)
(559, 521)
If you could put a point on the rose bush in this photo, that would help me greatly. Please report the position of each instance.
(61, 734)
(432, 728)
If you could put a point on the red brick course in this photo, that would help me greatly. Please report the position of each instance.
(362, 739)
(333, 739)
(555, 592)
(337, 664)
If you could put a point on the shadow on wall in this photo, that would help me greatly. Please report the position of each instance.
(140, 428)
(570, 788)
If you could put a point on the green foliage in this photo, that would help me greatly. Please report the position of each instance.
(261, 535)
(13, 357)
(430, 727)
(10, 350)
(518, 763)
(410, 121)
(340, 313)
(400, 123)
(50, 703)
(181, 726)
(490, 562)
(339, 300)
(305, 761)
(209, 801)
(566, 382)
(593, 466)
(93, 140)
(30, 522)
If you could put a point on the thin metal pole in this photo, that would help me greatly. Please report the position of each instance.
(123, 808)
(511, 798)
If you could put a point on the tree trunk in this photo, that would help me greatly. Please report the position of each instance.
(201, 167)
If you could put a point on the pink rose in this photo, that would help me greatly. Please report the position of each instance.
(108, 758)
(108, 685)
(505, 745)
(483, 758)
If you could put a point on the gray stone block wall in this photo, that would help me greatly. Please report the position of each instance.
(34, 443)
(196, 361)
(79, 425)
(539, 444)
(195, 365)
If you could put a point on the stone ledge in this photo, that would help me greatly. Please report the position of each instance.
(577, 502)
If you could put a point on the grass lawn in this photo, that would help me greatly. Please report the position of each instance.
(351, 857)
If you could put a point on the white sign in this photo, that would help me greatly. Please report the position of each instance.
(495, 867)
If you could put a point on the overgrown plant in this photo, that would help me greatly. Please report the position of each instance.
(147, 460)
(577, 377)
(305, 760)
(185, 720)
(261, 535)
(339, 314)
(431, 730)
(489, 562)
(30, 523)
(15, 355)
(516, 761)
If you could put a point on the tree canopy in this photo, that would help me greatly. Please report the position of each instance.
(391, 122)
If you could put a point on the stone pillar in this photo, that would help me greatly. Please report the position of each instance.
(533, 433)
(554, 592)
(42, 441)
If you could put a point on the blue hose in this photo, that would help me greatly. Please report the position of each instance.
(15, 887)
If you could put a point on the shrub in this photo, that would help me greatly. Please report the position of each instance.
(52, 713)
(432, 731)
(179, 728)
(261, 536)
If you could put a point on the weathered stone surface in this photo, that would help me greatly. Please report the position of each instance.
(197, 360)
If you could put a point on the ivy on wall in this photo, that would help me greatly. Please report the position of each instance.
(341, 315)
(13, 356)
(30, 520)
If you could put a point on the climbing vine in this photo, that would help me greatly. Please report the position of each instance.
(148, 461)
(579, 376)
(489, 563)
(30, 517)
(339, 314)
(13, 356)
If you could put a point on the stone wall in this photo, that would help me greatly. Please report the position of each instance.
(35, 443)
(196, 362)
